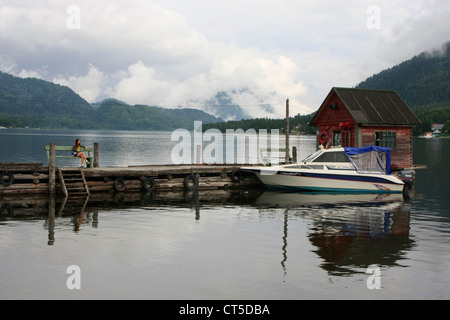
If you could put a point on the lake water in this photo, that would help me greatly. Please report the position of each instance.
(220, 245)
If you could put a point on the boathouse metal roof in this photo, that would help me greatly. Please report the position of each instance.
(373, 107)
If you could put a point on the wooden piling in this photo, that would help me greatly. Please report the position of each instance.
(294, 154)
(52, 169)
(51, 219)
(287, 132)
(96, 155)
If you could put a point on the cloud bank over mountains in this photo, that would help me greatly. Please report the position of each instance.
(173, 53)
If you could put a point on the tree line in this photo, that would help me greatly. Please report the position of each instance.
(298, 124)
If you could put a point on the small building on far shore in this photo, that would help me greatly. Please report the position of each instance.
(437, 129)
(350, 117)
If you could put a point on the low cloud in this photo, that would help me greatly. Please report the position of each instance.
(171, 53)
(88, 87)
(249, 79)
(413, 28)
(143, 53)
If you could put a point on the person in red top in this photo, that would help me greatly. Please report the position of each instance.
(77, 153)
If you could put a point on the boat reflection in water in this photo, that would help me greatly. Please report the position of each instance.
(349, 232)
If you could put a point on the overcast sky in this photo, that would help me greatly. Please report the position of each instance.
(182, 53)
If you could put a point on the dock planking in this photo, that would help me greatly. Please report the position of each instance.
(26, 178)
(34, 178)
(169, 177)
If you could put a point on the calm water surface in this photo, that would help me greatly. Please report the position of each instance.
(222, 245)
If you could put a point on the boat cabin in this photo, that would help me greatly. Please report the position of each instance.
(334, 158)
(350, 117)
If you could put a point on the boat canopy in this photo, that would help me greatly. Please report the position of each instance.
(370, 159)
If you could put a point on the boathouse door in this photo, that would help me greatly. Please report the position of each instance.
(341, 139)
(337, 138)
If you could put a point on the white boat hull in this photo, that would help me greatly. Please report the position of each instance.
(327, 180)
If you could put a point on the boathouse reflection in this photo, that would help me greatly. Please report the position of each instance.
(349, 232)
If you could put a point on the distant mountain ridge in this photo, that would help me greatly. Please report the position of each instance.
(111, 101)
(115, 114)
(41, 104)
(421, 80)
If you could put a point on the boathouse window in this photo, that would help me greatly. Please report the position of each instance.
(387, 139)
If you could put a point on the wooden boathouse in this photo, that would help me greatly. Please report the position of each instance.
(35, 178)
(350, 117)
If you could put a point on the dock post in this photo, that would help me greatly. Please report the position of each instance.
(52, 169)
(51, 219)
(287, 132)
(96, 155)
(294, 154)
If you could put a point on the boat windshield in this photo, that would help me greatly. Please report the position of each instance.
(321, 156)
(312, 156)
(332, 157)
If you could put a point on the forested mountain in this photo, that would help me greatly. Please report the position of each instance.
(114, 114)
(42, 104)
(37, 103)
(422, 80)
(424, 84)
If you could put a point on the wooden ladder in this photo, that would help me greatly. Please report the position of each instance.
(73, 182)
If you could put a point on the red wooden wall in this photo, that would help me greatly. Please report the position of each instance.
(330, 120)
(401, 157)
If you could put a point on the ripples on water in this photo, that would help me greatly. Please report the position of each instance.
(213, 245)
(224, 245)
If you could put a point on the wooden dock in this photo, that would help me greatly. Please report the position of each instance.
(23, 178)
(34, 178)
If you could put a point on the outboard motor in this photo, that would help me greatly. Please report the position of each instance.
(407, 176)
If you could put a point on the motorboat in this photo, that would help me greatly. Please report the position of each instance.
(366, 169)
